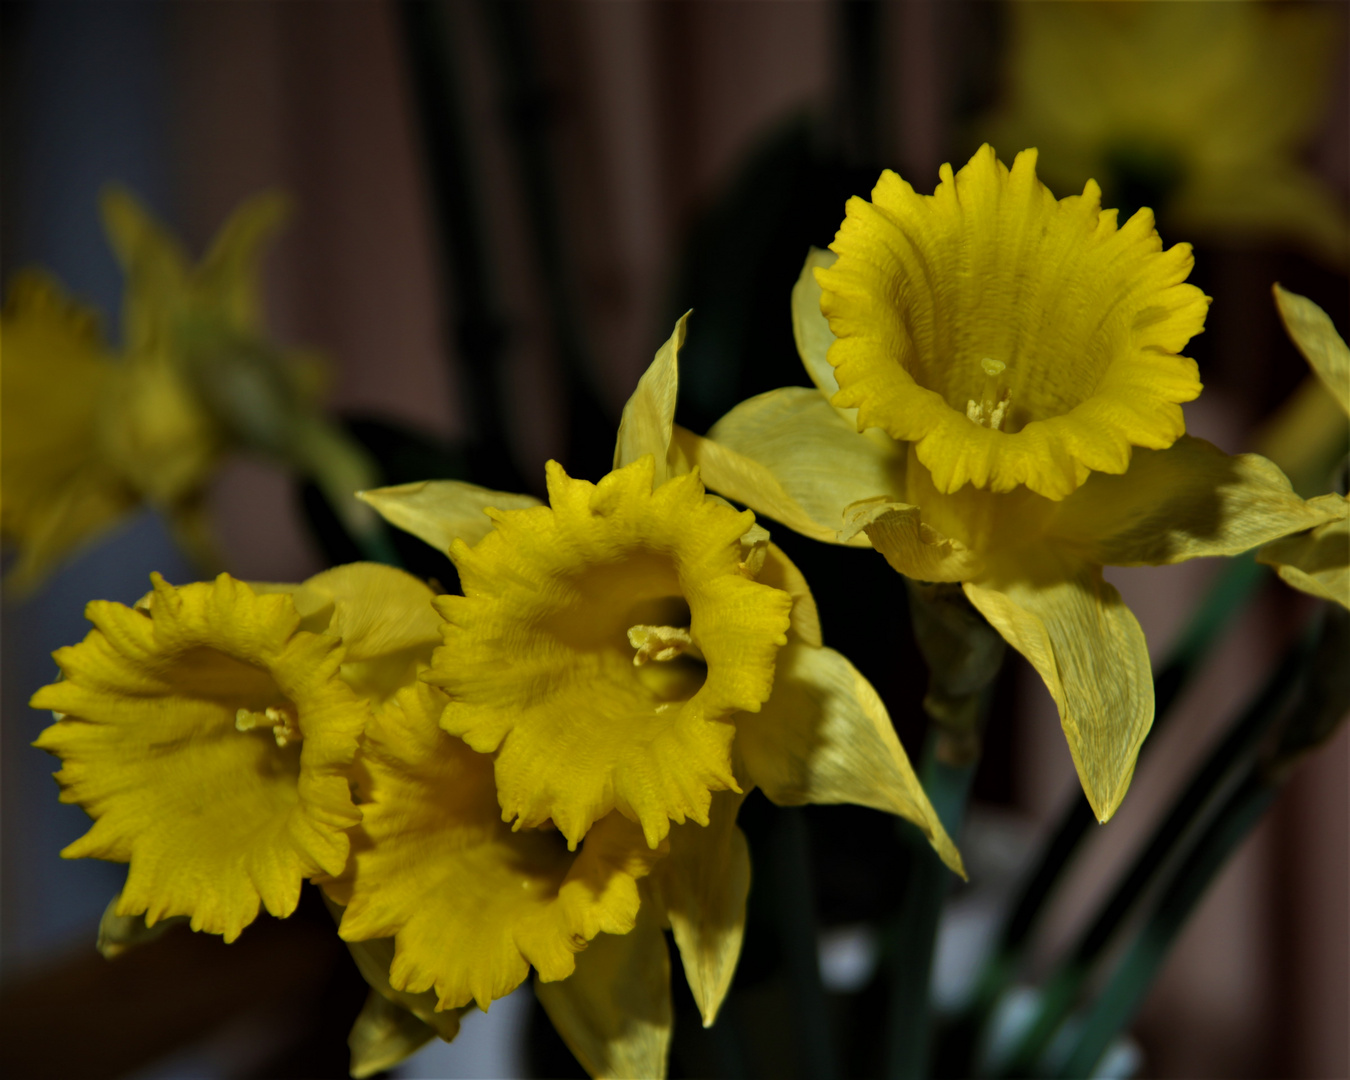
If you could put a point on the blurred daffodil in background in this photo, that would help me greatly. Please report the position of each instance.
(1198, 110)
(1317, 561)
(89, 433)
(999, 383)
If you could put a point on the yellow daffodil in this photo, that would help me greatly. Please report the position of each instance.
(1200, 110)
(1318, 561)
(210, 732)
(628, 661)
(89, 434)
(998, 404)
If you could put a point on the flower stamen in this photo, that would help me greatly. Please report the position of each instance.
(282, 719)
(661, 643)
(992, 407)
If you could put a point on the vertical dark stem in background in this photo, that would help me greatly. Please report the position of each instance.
(467, 265)
(793, 892)
(529, 114)
(858, 83)
(964, 655)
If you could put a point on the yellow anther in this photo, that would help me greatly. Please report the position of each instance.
(660, 643)
(283, 720)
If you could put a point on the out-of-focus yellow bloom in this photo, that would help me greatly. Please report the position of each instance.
(634, 656)
(88, 435)
(1318, 561)
(59, 487)
(992, 361)
(1199, 110)
(210, 732)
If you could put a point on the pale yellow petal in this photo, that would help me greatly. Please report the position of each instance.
(911, 546)
(812, 330)
(780, 572)
(1187, 501)
(1086, 644)
(825, 737)
(442, 511)
(1316, 562)
(383, 1035)
(374, 958)
(649, 415)
(1315, 335)
(614, 1012)
(789, 455)
(701, 887)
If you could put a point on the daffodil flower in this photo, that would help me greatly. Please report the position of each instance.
(1317, 562)
(626, 663)
(210, 733)
(998, 403)
(1199, 110)
(89, 433)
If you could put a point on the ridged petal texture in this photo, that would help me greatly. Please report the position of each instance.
(1013, 338)
(214, 820)
(470, 903)
(545, 665)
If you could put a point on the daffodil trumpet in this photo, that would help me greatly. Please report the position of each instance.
(627, 661)
(1088, 466)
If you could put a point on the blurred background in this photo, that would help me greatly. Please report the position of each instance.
(501, 208)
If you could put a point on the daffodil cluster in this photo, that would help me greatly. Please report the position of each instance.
(542, 773)
(90, 433)
(999, 383)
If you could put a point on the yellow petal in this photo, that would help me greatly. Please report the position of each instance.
(1187, 501)
(1318, 561)
(649, 415)
(118, 934)
(442, 511)
(811, 329)
(383, 616)
(825, 737)
(213, 818)
(1315, 335)
(230, 272)
(540, 663)
(701, 888)
(789, 455)
(614, 1013)
(1013, 338)
(374, 959)
(58, 490)
(383, 1035)
(910, 545)
(1087, 646)
(780, 572)
(155, 266)
(471, 904)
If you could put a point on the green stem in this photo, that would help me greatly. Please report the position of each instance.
(1125, 992)
(799, 936)
(1065, 984)
(1234, 586)
(459, 219)
(907, 1050)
